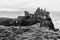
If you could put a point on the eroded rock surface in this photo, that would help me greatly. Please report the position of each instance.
(33, 32)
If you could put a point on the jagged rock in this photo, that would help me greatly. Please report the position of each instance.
(40, 16)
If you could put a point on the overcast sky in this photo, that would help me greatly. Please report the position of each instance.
(11, 5)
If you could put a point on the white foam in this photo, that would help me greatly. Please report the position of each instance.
(57, 24)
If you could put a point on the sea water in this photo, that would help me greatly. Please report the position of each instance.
(55, 16)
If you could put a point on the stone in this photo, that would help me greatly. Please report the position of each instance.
(40, 16)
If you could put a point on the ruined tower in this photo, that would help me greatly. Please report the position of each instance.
(26, 13)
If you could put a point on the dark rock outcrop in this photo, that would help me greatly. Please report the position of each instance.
(40, 16)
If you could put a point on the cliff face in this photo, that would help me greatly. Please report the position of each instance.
(40, 16)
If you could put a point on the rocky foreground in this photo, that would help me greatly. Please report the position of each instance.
(33, 32)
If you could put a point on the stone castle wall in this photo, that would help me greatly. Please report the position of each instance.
(39, 13)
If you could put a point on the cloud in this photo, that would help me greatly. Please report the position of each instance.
(52, 5)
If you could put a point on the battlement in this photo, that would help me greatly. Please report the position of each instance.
(39, 13)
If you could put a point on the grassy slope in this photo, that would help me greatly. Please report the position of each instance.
(34, 32)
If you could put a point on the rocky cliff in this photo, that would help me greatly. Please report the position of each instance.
(40, 16)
